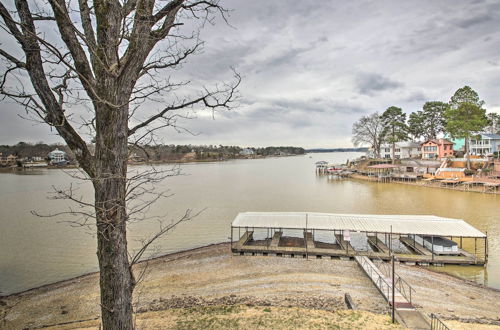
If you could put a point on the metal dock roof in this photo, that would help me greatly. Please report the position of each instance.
(401, 224)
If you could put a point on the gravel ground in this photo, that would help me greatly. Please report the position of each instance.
(211, 276)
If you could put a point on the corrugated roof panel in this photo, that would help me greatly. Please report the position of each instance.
(401, 224)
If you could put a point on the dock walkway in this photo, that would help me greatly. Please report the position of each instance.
(382, 282)
(414, 246)
(247, 246)
(275, 241)
(406, 313)
(378, 244)
(345, 245)
(309, 240)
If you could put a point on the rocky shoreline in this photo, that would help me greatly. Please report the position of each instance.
(211, 276)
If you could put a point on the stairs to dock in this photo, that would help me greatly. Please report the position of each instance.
(405, 312)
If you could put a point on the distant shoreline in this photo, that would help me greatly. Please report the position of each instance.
(166, 162)
(321, 150)
(208, 160)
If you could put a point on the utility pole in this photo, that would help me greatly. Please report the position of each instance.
(393, 290)
(393, 280)
(305, 238)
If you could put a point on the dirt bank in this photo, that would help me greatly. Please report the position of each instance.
(212, 277)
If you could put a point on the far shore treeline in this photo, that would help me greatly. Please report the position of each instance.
(160, 152)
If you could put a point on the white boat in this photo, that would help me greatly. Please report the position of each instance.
(438, 244)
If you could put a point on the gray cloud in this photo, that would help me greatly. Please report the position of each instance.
(311, 68)
(370, 83)
(467, 22)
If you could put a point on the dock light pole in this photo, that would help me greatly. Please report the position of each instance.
(305, 238)
(393, 290)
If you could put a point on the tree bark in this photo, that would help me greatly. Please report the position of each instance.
(393, 151)
(467, 152)
(116, 278)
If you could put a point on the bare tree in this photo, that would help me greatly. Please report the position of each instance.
(368, 131)
(107, 56)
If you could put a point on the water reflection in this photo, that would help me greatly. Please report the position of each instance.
(35, 251)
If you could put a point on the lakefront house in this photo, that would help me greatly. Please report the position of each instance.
(9, 160)
(437, 148)
(402, 150)
(57, 157)
(485, 144)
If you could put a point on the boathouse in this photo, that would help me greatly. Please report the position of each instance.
(415, 239)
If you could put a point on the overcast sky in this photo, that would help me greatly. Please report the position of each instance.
(311, 68)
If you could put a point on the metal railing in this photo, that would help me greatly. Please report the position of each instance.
(436, 323)
(380, 282)
(399, 283)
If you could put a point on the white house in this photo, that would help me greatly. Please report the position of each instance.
(403, 150)
(247, 152)
(57, 156)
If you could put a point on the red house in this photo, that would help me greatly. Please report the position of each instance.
(437, 148)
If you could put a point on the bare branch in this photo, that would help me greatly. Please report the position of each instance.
(163, 230)
(213, 100)
(54, 113)
(67, 31)
(87, 26)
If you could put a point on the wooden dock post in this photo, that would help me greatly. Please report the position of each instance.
(486, 249)
(432, 243)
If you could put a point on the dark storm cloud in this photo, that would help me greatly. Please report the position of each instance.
(417, 96)
(470, 21)
(369, 83)
(311, 68)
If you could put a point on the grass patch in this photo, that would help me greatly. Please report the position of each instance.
(255, 317)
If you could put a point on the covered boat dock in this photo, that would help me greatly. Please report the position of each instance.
(414, 239)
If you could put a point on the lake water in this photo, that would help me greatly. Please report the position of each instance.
(36, 251)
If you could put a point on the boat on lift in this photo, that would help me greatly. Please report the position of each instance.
(334, 169)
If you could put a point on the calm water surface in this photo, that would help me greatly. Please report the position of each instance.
(36, 251)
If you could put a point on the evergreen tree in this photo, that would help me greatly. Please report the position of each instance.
(434, 122)
(416, 125)
(394, 127)
(465, 116)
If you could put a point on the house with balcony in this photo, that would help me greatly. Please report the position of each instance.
(484, 144)
(9, 160)
(247, 152)
(57, 157)
(437, 148)
(402, 150)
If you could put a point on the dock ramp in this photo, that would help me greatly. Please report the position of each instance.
(406, 313)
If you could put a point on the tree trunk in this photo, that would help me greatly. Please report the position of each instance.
(467, 153)
(116, 278)
(393, 151)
